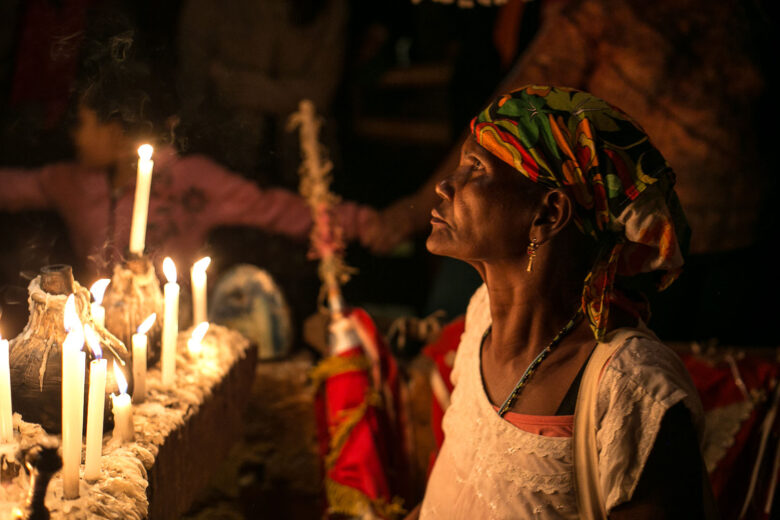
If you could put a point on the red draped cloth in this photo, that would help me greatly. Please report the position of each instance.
(358, 427)
(739, 421)
(442, 353)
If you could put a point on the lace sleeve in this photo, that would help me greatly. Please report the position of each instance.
(477, 320)
(642, 381)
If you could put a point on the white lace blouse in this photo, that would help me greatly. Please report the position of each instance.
(488, 468)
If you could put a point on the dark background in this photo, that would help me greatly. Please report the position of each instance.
(378, 157)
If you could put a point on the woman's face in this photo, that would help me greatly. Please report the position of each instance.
(97, 144)
(485, 211)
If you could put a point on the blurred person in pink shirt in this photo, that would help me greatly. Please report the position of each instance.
(190, 195)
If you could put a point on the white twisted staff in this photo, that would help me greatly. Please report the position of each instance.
(327, 240)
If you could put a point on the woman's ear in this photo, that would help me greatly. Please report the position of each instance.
(553, 215)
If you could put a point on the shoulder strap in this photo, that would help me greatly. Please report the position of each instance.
(590, 496)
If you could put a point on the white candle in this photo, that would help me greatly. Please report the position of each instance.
(139, 359)
(194, 344)
(123, 410)
(98, 290)
(170, 323)
(95, 407)
(6, 411)
(141, 206)
(73, 365)
(199, 300)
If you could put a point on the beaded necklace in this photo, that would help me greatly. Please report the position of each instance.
(510, 400)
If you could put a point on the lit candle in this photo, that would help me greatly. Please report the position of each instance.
(194, 344)
(123, 409)
(6, 411)
(170, 322)
(199, 305)
(139, 359)
(141, 206)
(98, 289)
(73, 365)
(95, 406)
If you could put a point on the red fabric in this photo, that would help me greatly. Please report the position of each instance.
(363, 458)
(717, 388)
(371, 460)
(443, 349)
(442, 352)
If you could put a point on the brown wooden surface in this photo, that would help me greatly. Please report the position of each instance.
(192, 453)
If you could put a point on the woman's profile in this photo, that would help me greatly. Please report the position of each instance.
(568, 212)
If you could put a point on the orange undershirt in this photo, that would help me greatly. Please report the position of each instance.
(545, 425)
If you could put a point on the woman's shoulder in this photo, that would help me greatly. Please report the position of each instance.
(642, 380)
(640, 357)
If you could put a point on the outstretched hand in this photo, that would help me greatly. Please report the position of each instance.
(390, 227)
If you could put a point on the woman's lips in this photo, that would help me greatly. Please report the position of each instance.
(437, 219)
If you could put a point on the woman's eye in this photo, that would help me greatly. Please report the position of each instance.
(476, 164)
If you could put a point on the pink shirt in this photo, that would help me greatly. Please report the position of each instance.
(190, 196)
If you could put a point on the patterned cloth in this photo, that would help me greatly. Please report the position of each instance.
(621, 184)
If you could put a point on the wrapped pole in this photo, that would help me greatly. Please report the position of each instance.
(353, 400)
(327, 240)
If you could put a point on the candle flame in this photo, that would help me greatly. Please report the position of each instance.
(169, 269)
(201, 265)
(71, 319)
(121, 381)
(144, 327)
(93, 340)
(199, 332)
(145, 151)
(98, 289)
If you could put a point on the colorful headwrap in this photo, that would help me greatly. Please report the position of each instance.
(621, 184)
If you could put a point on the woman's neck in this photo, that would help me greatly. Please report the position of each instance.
(528, 309)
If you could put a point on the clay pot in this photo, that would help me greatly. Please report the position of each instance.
(35, 355)
(133, 294)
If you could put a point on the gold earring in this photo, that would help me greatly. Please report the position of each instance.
(532, 247)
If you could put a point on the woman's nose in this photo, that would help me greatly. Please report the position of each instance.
(444, 189)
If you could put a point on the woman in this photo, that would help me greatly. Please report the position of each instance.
(559, 201)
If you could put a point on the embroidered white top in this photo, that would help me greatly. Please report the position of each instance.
(488, 468)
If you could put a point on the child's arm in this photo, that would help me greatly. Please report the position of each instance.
(22, 189)
(233, 200)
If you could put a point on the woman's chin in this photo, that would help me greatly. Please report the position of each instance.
(438, 244)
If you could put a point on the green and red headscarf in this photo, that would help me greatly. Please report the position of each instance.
(621, 184)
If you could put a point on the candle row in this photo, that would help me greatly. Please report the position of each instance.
(73, 369)
(170, 289)
(170, 321)
(74, 358)
(73, 380)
